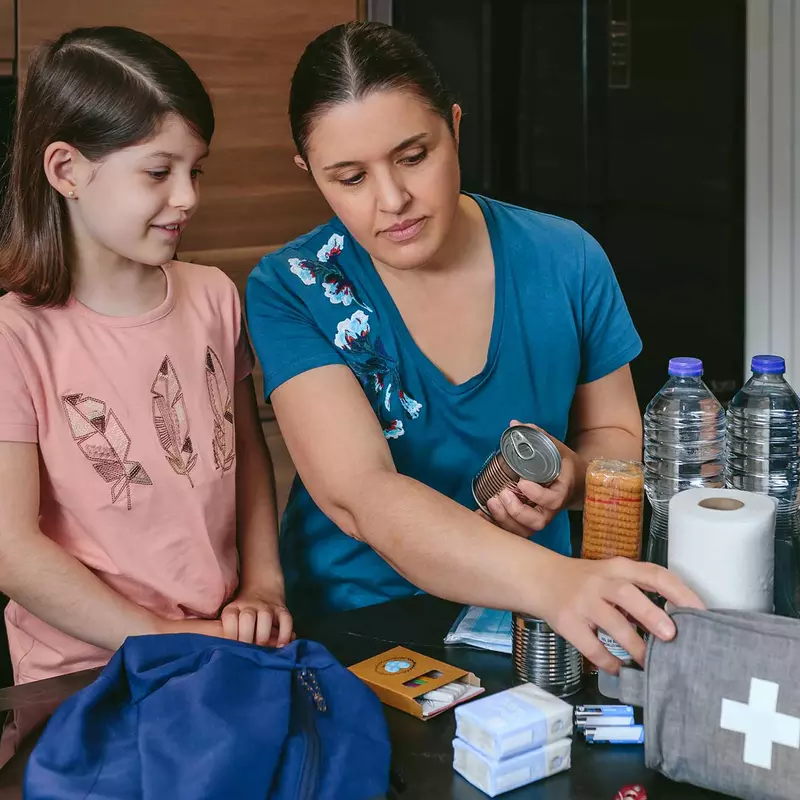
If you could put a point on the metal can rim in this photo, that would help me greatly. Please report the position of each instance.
(547, 446)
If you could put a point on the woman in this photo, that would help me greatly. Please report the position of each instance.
(400, 339)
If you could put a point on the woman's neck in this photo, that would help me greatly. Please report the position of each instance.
(466, 231)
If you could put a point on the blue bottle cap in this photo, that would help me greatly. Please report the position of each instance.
(768, 365)
(686, 367)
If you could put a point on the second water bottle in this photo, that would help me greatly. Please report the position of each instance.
(763, 456)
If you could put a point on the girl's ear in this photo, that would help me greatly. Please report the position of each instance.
(61, 168)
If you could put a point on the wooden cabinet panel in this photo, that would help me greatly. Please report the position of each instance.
(8, 39)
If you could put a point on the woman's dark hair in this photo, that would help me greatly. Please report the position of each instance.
(99, 90)
(348, 62)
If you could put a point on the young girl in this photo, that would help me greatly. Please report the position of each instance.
(124, 484)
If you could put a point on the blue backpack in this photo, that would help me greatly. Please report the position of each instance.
(191, 717)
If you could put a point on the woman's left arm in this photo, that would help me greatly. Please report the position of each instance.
(604, 423)
(258, 613)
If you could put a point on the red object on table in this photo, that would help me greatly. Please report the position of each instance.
(635, 792)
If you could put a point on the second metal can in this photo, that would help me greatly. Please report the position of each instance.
(544, 658)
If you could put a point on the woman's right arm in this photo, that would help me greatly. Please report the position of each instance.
(44, 579)
(442, 547)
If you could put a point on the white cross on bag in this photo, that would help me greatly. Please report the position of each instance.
(760, 723)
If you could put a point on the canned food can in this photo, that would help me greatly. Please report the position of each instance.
(544, 658)
(523, 453)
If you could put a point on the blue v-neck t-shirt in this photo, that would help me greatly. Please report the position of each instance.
(559, 321)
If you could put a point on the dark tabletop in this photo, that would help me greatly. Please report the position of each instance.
(422, 751)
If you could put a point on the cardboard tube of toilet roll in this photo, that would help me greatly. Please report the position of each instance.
(721, 543)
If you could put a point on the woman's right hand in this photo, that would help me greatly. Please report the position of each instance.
(584, 595)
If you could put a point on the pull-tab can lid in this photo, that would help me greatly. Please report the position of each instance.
(531, 454)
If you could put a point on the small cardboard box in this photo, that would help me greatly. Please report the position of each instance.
(399, 676)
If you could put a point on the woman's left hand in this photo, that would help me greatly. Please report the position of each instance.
(258, 616)
(512, 514)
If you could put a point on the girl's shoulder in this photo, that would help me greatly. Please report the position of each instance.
(201, 276)
(204, 285)
(16, 316)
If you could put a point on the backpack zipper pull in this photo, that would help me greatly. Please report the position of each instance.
(309, 682)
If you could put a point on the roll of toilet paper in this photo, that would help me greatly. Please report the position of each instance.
(721, 542)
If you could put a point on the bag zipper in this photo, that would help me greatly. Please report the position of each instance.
(313, 703)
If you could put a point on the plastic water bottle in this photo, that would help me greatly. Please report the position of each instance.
(763, 456)
(684, 445)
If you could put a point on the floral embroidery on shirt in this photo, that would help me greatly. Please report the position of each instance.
(219, 395)
(393, 429)
(375, 368)
(338, 288)
(372, 365)
(171, 420)
(102, 439)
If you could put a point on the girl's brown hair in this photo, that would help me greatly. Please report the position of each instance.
(99, 90)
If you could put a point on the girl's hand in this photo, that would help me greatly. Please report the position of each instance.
(543, 502)
(258, 616)
(584, 595)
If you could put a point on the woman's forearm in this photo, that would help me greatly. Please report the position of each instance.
(455, 553)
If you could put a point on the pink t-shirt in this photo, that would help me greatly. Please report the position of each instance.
(134, 421)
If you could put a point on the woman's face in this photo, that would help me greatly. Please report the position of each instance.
(388, 166)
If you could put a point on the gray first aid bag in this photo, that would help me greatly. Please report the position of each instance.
(722, 703)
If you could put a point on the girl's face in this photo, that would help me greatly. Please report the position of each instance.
(388, 166)
(134, 204)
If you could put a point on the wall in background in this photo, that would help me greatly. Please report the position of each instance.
(773, 182)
